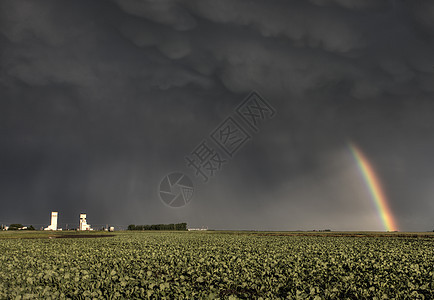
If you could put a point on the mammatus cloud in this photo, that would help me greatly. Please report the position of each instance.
(312, 45)
(166, 12)
(354, 4)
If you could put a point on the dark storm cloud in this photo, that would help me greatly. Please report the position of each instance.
(99, 100)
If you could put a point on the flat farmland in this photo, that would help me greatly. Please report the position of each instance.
(217, 265)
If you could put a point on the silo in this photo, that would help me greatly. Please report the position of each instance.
(53, 225)
(83, 223)
(54, 215)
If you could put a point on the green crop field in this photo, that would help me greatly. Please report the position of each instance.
(217, 265)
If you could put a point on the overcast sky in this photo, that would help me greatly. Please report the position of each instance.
(99, 100)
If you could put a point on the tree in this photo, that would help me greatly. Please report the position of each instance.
(179, 226)
(15, 226)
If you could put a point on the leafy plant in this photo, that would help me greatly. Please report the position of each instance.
(213, 265)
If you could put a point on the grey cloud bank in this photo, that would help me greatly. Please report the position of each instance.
(100, 100)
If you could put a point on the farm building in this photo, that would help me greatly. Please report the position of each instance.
(53, 225)
(83, 223)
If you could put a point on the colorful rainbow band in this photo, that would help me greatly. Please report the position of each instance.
(374, 186)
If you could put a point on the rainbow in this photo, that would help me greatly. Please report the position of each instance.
(374, 186)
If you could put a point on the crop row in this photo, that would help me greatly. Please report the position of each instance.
(183, 265)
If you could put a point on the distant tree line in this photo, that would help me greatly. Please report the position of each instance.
(20, 227)
(179, 226)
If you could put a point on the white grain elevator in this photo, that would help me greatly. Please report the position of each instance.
(53, 225)
(83, 223)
